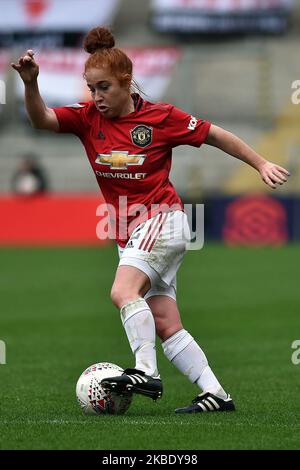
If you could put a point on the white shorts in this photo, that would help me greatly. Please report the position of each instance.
(157, 248)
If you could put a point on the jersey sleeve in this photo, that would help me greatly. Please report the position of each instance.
(183, 129)
(72, 118)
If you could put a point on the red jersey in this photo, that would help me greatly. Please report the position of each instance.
(131, 156)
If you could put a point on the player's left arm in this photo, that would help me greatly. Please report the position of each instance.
(271, 173)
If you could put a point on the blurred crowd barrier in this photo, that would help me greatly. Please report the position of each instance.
(220, 16)
(75, 219)
(55, 23)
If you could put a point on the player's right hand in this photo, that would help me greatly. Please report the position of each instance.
(27, 67)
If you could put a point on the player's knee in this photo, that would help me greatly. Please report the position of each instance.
(116, 296)
(120, 296)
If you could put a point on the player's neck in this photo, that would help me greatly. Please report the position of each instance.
(128, 107)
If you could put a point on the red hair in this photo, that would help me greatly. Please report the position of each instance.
(99, 42)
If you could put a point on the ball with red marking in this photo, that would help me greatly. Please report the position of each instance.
(93, 399)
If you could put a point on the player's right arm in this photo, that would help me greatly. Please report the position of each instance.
(41, 117)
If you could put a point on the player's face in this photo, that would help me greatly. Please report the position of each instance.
(110, 97)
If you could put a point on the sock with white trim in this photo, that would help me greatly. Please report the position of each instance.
(183, 351)
(139, 325)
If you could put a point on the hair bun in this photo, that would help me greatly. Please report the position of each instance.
(98, 38)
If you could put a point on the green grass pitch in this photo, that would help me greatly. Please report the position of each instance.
(242, 305)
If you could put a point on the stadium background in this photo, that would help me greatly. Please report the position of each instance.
(241, 302)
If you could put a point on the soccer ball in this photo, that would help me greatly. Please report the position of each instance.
(93, 399)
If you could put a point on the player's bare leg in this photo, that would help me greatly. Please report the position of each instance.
(129, 287)
(183, 351)
(129, 283)
(166, 316)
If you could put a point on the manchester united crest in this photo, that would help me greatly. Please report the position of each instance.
(141, 135)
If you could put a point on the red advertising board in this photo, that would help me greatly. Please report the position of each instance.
(58, 219)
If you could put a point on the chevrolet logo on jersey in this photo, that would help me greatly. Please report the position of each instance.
(119, 160)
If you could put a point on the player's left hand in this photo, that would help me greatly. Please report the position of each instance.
(273, 174)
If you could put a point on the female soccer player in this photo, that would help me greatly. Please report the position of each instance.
(129, 144)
